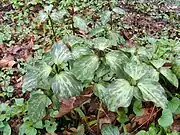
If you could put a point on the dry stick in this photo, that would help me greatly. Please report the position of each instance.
(146, 120)
(98, 115)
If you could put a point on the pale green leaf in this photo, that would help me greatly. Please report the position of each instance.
(30, 131)
(65, 86)
(36, 106)
(115, 59)
(109, 130)
(60, 53)
(105, 16)
(48, 8)
(118, 94)
(80, 23)
(153, 91)
(101, 43)
(158, 63)
(85, 67)
(170, 76)
(166, 119)
(136, 71)
(173, 104)
(119, 10)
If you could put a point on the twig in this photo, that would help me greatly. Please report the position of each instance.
(52, 28)
(146, 120)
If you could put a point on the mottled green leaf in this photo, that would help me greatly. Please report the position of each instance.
(158, 63)
(99, 91)
(80, 23)
(85, 67)
(65, 85)
(166, 118)
(58, 15)
(115, 38)
(170, 76)
(43, 16)
(7, 129)
(60, 53)
(115, 59)
(105, 16)
(102, 70)
(79, 51)
(176, 68)
(153, 91)
(109, 130)
(101, 43)
(118, 94)
(119, 10)
(136, 71)
(36, 106)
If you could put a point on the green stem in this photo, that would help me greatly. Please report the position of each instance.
(52, 28)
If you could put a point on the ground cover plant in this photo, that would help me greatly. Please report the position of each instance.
(89, 67)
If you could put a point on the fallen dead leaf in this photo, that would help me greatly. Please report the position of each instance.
(7, 62)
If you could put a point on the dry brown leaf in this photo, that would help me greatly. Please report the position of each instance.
(7, 62)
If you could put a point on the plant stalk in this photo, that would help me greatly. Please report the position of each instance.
(52, 28)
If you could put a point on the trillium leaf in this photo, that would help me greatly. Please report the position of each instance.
(65, 85)
(118, 94)
(105, 17)
(158, 63)
(80, 23)
(136, 71)
(43, 16)
(58, 15)
(95, 31)
(101, 43)
(166, 119)
(79, 51)
(60, 53)
(118, 10)
(115, 38)
(99, 91)
(151, 73)
(170, 76)
(102, 70)
(36, 106)
(176, 68)
(84, 68)
(109, 130)
(115, 59)
(153, 91)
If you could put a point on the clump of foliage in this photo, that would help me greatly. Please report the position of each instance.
(92, 52)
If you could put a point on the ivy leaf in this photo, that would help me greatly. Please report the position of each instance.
(166, 118)
(170, 76)
(101, 43)
(65, 85)
(105, 17)
(118, 94)
(173, 104)
(36, 106)
(137, 108)
(85, 67)
(136, 71)
(60, 53)
(109, 129)
(119, 10)
(80, 23)
(95, 31)
(153, 91)
(115, 59)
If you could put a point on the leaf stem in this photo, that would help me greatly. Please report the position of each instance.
(52, 28)
(98, 116)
